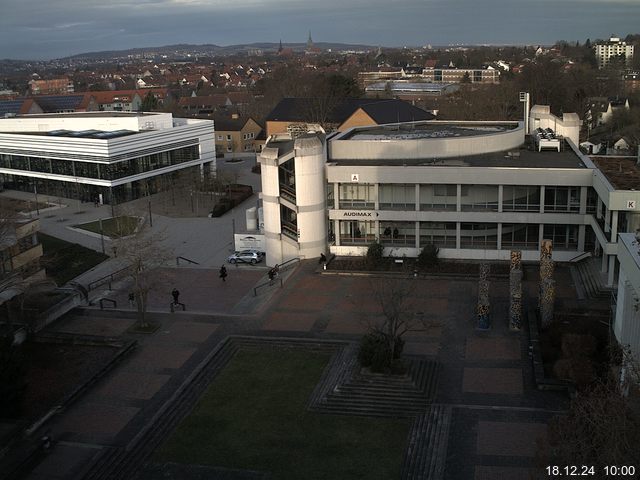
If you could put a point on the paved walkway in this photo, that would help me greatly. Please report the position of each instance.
(497, 417)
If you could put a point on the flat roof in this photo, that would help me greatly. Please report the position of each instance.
(94, 134)
(622, 172)
(89, 114)
(408, 131)
(520, 158)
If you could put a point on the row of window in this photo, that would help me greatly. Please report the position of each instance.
(473, 197)
(245, 136)
(110, 171)
(444, 234)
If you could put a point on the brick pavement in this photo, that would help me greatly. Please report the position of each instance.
(478, 369)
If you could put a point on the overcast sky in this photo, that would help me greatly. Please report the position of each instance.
(44, 29)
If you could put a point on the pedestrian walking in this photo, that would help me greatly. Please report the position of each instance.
(132, 299)
(176, 295)
(223, 273)
(322, 259)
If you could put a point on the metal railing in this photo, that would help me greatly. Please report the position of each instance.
(270, 283)
(579, 257)
(107, 279)
(186, 260)
(109, 300)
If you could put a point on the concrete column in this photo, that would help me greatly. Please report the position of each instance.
(500, 230)
(417, 197)
(500, 196)
(336, 231)
(417, 235)
(376, 194)
(583, 200)
(598, 208)
(614, 226)
(581, 237)
(542, 199)
(603, 267)
(612, 270)
(336, 195)
(607, 221)
(458, 198)
(540, 235)
(458, 234)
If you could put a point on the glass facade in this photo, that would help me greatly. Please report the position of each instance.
(440, 234)
(354, 232)
(102, 171)
(520, 198)
(520, 235)
(356, 195)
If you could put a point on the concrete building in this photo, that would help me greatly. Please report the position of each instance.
(477, 190)
(626, 325)
(614, 48)
(112, 157)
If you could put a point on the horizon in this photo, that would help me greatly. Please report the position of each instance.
(70, 27)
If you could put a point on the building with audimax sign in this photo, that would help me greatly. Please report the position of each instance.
(477, 190)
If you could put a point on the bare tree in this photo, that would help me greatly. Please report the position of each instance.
(145, 253)
(397, 300)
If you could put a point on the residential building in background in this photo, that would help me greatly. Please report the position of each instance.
(51, 87)
(614, 48)
(237, 137)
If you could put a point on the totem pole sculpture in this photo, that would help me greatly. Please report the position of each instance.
(547, 284)
(515, 291)
(483, 298)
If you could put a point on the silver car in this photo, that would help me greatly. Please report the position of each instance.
(246, 256)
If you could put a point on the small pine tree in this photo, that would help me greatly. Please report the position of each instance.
(375, 253)
(428, 256)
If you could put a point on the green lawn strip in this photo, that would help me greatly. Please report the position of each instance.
(253, 416)
(64, 261)
(112, 227)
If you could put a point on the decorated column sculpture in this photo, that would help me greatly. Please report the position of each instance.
(515, 291)
(547, 284)
(483, 298)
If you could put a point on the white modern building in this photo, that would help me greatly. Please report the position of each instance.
(110, 156)
(477, 190)
(614, 48)
(626, 325)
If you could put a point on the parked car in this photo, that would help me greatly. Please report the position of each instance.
(246, 256)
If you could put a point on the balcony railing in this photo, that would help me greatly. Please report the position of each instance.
(288, 193)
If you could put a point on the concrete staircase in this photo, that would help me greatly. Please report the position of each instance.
(590, 280)
(425, 456)
(348, 390)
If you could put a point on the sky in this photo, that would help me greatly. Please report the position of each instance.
(45, 29)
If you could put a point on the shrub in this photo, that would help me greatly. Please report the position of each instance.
(376, 355)
(374, 253)
(577, 369)
(428, 256)
(576, 345)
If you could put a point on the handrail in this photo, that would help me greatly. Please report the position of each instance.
(269, 283)
(186, 260)
(106, 279)
(288, 262)
(111, 300)
(577, 258)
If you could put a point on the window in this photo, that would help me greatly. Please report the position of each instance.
(438, 197)
(480, 197)
(400, 234)
(356, 195)
(442, 234)
(564, 237)
(220, 137)
(479, 235)
(354, 232)
(520, 235)
(562, 199)
(517, 198)
(397, 196)
(228, 137)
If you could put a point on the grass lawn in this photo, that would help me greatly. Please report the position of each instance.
(64, 261)
(113, 227)
(253, 416)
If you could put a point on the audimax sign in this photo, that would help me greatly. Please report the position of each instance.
(360, 214)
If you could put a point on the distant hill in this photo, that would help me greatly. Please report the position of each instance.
(211, 49)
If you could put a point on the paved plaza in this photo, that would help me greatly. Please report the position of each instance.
(486, 378)
(497, 413)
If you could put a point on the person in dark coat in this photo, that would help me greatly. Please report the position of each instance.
(322, 259)
(223, 273)
(176, 295)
